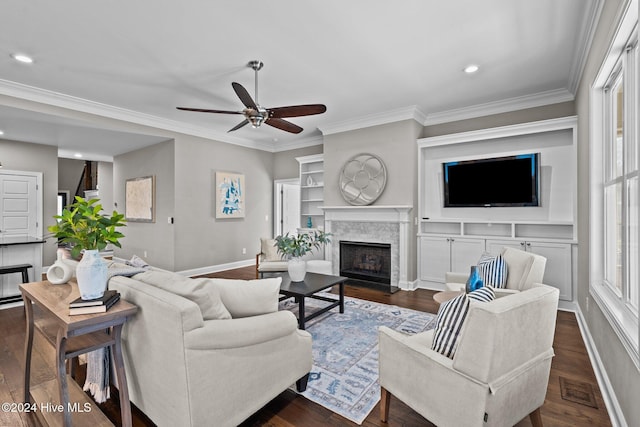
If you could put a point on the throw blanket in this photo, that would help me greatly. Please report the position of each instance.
(98, 361)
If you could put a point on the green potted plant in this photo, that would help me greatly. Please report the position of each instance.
(88, 231)
(294, 247)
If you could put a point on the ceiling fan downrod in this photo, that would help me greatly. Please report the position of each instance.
(256, 66)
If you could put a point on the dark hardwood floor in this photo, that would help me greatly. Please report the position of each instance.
(289, 409)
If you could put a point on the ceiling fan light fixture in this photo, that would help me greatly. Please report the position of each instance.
(256, 120)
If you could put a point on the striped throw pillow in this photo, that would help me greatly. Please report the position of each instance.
(451, 317)
(493, 270)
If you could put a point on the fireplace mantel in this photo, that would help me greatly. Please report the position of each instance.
(336, 217)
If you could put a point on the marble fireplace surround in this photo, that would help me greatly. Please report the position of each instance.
(373, 224)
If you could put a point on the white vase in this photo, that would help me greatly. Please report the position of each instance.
(297, 268)
(91, 273)
(60, 272)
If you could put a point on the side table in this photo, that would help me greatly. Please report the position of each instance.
(444, 296)
(47, 309)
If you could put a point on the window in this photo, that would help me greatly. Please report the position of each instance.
(615, 190)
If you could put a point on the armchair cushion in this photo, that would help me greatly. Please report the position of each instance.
(244, 298)
(269, 250)
(451, 317)
(493, 270)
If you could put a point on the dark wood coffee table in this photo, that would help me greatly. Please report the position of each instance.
(312, 283)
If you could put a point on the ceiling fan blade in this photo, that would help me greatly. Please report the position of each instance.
(239, 125)
(283, 125)
(244, 96)
(297, 110)
(202, 110)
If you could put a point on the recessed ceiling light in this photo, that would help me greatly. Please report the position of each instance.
(469, 69)
(78, 155)
(21, 57)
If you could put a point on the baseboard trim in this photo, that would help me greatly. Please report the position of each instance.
(216, 268)
(608, 394)
(407, 285)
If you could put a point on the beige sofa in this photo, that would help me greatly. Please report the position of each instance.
(185, 368)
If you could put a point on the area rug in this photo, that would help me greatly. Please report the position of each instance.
(344, 377)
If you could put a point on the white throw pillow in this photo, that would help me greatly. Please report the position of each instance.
(197, 290)
(245, 298)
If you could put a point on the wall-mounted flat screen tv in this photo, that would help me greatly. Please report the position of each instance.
(498, 181)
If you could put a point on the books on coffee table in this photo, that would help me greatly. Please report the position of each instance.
(97, 305)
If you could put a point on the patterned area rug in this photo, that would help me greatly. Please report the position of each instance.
(344, 377)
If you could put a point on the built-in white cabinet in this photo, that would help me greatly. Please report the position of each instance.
(311, 190)
(438, 255)
(558, 269)
(453, 238)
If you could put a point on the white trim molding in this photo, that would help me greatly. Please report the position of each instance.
(392, 116)
(606, 388)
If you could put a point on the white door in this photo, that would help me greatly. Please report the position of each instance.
(286, 206)
(18, 217)
(18, 205)
(290, 208)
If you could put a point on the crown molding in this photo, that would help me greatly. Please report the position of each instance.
(298, 143)
(47, 97)
(405, 113)
(549, 125)
(497, 107)
(585, 36)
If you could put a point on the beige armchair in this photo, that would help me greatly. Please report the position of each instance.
(523, 270)
(498, 375)
(269, 260)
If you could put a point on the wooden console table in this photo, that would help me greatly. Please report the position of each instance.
(72, 336)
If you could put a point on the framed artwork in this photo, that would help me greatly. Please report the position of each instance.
(140, 199)
(229, 194)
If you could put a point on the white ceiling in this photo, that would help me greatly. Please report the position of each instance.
(138, 60)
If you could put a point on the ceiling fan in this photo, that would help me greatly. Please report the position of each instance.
(256, 115)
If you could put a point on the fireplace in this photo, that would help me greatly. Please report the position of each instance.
(366, 261)
(383, 224)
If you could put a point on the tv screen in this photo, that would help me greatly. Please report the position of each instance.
(498, 181)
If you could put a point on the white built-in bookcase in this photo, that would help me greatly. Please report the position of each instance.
(452, 239)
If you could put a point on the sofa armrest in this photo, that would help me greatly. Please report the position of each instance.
(242, 332)
(503, 292)
(454, 277)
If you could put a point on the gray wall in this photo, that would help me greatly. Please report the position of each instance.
(200, 238)
(285, 164)
(562, 109)
(69, 173)
(395, 144)
(622, 373)
(156, 239)
(23, 156)
(105, 186)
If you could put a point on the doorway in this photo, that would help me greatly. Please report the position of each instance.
(286, 206)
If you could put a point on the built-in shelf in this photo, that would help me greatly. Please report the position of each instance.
(535, 230)
(311, 188)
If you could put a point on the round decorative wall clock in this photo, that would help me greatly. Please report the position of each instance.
(362, 179)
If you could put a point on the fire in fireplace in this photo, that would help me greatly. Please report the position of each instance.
(370, 262)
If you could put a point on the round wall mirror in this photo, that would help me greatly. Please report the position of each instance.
(362, 179)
